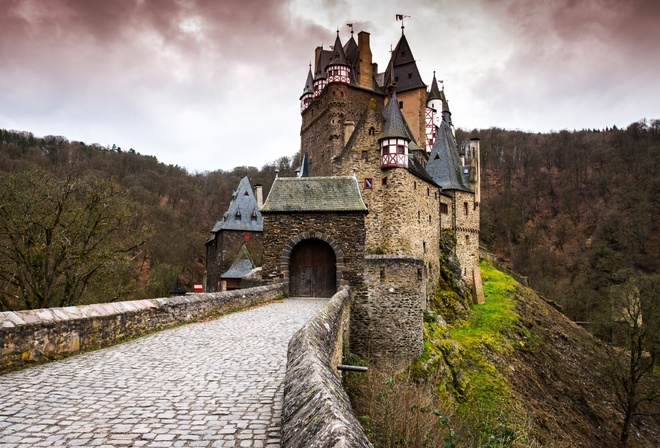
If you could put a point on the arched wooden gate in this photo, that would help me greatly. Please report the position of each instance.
(313, 269)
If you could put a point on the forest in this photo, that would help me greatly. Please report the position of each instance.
(573, 210)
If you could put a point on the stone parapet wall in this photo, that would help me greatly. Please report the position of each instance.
(317, 412)
(387, 319)
(34, 336)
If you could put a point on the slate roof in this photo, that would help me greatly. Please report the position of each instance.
(324, 59)
(309, 84)
(241, 266)
(434, 93)
(243, 201)
(351, 51)
(404, 68)
(314, 194)
(444, 165)
(338, 57)
(395, 126)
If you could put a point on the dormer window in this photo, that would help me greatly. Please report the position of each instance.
(253, 218)
(237, 216)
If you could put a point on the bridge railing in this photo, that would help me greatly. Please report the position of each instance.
(317, 412)
(34, 336)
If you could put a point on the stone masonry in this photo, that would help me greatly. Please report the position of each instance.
(213, 384)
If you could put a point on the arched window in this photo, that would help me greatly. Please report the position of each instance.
(237, 216)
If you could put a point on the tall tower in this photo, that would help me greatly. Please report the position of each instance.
(433, 117)
(394, 142)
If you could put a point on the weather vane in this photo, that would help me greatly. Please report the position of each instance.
(350, 25)
(401, 17)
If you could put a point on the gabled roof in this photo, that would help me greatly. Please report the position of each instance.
(309, 84)
(395, 125)
(444, 165)
(404, 68)
(241, 266)
(314, 194)
(244, 203)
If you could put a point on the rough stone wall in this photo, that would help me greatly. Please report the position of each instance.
(466, 229)
(387, 318)
(343, 231)
(323, 124)
(414, 111)
(405, 219)
(317, 412)
(29, 337)
(221, 252)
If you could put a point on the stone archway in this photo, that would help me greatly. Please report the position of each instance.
(322, 240)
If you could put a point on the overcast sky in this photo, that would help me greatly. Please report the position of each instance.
(214, 84)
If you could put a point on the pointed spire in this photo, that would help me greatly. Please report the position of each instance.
(394, 123)
(338, 55)
(404, 70)
(434, 93)
(309, 84)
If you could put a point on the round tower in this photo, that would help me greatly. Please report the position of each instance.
(394, 141)
(308, 92)
(338, 70)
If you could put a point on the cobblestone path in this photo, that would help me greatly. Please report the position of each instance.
(213, 384)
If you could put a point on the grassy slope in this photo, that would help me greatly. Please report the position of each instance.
(540, 368)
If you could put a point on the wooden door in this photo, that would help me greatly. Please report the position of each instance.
(313, 270)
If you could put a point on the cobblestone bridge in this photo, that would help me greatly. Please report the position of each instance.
(212, 384)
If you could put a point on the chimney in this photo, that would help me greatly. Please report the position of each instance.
(317, 57)
(365, 72)
(349, 127)
(259, 193)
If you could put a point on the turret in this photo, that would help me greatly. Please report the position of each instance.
(338, 69)
(394, 141)
(322, 58)
(308, 92)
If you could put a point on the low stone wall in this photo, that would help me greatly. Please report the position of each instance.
(317, 412)
(34, 336)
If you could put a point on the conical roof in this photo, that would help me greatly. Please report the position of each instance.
(444, 165)
(324, 60)
(434, 93)
(395, 126)
(338, 57)
(351, 51)
(309, 84)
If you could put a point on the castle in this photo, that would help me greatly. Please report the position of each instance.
(381, 177)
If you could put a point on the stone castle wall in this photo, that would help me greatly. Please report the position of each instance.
(34, 336)
(387, 318)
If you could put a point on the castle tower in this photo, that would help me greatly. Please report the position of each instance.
(321, 59)
(410, 88)
(394, 142)
(338, 69)
(308, 92)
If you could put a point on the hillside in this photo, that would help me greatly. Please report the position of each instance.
(513, 372)
(575, 211)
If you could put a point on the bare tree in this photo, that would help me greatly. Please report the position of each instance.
(631, 370)
(58, 235)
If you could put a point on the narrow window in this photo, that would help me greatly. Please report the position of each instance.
(414, 185)
(364, 155)
(428, 191)
(400, 149)
(409, 75)
(372, 131)
(418, 215)
(444, 209)
(253, 217)
(465, 208)
(368, 183)
(383, 181)
(424, 246)
(400, 104)
(237, 216)
(382, 274)
(429, 219)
